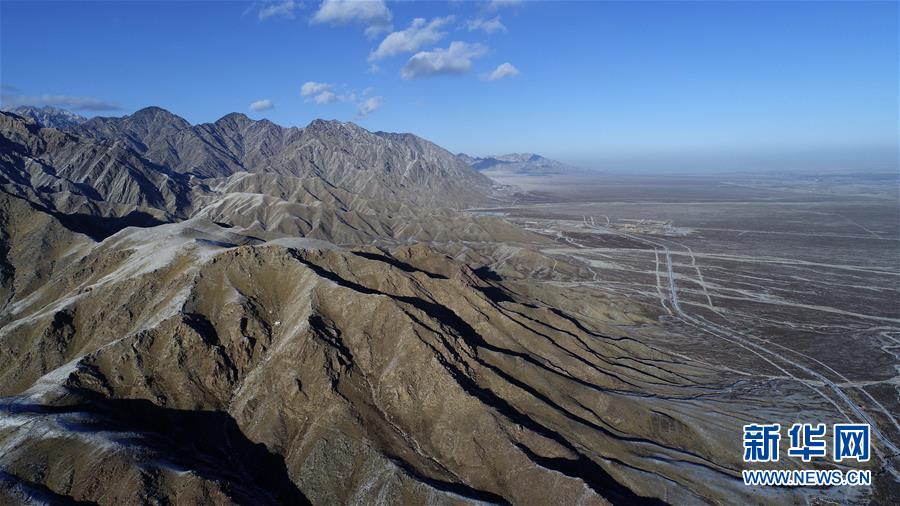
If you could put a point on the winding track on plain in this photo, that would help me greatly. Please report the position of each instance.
(758, 347)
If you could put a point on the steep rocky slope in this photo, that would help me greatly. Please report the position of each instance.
(350, 375)
(400, 167)
(239, 313)
(99, 179)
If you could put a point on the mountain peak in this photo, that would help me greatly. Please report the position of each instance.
(234, 118)
(155, 113)
(154, 121)
(333, 126)
(326, 123)
(151, 110)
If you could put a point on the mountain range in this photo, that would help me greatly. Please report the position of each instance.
(518, 164)
(241, 313)
(48, 116)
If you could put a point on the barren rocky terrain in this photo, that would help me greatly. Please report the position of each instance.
(240, 313)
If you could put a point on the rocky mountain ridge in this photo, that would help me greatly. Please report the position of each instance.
(518, 164)
(160, 363)
(240, 313)
(48, 116)
(397, 167)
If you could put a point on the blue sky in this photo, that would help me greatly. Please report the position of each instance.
(602, 84)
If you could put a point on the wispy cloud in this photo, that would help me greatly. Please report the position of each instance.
(323, 93)
(283, 9)
(262, 105)
(456, 59)
(369, 105)
(494, 5)
(503, 71)
(325, 97)
(312, 88)
(373, 13)
(320, 93)
(419, 33)
(486, 25)
(10, 98)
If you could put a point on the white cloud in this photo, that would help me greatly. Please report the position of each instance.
(262, 105)
(326, 97)
(417, 35)
(312, 88)
(376, 30)
(503, 71)
(486, 25)
(11, 99)
(456, 59)
(324, 93)
(369, 105)
(283, 9)
(373, 13)
(320, 93)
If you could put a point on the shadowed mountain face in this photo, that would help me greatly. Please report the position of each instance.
(165, 361)
(66, 173)
(240, 313)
